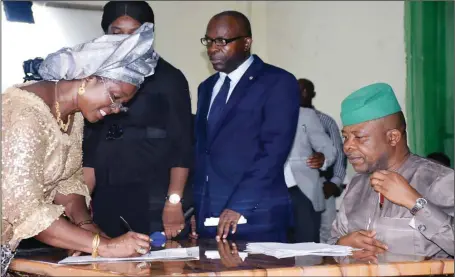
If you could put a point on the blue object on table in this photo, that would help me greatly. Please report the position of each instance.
(157, 239)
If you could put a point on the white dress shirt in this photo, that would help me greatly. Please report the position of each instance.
(235, 77)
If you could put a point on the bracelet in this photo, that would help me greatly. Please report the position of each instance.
(85, 222)
(95, 245)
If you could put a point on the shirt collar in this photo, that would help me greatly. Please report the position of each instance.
(239, 71)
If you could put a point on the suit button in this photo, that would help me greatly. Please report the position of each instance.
(422, 228)
(207, 151)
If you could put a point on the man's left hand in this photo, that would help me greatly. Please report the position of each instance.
(228, 219)
(316, 160)
(173, 220)
(394, 187)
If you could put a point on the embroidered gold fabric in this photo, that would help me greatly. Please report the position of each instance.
(38, 160)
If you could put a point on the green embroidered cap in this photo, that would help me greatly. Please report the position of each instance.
(368, 103)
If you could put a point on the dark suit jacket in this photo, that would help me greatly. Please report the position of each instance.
(243, 158)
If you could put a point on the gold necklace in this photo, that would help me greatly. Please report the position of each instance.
(60, 122)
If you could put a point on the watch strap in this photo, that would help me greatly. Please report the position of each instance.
(420, 204)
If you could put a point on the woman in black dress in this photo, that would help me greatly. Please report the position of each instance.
(137, 162)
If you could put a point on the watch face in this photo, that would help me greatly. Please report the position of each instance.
(421, 201)
(174, 198)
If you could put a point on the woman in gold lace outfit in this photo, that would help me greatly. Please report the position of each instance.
(43, 193)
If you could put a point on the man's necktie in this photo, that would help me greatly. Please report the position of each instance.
(218, 104)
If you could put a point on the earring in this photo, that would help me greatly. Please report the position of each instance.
(81, 89)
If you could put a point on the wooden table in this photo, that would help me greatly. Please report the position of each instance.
(231, 265)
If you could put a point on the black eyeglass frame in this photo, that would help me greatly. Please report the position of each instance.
(225, 41)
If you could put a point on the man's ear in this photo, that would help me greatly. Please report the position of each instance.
(248, 42)
(393, 137)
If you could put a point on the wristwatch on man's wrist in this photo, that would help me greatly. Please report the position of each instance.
(174, 198)
(420, 204)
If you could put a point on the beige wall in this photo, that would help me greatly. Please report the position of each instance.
(338, 45)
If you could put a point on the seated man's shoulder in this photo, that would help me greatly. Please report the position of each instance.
(434, 181)
(426, 167)
(358, 180)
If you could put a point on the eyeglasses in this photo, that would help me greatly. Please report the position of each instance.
(206, 41)
(114, 104)
(117, 105)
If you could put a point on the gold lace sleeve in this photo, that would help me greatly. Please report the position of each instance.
(75, 184)
(24, 209)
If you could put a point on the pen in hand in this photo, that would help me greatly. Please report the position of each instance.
(158, 238)
(126, 224)
(152, 237)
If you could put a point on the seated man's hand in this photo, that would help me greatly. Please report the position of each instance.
(331, 189)
(228, 219)
(316, 160)
(363, 240)
(365, 256)
(394, 187)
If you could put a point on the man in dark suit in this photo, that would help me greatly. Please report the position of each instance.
(245, 125)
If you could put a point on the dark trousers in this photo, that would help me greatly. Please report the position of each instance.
(307, 222)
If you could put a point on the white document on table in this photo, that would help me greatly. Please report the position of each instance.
(286, 250)
(191, 253)
(215, 255)
(213, 221)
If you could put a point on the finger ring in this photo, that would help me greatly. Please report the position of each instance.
(179, 231)
(141, 250)
(142, 265)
